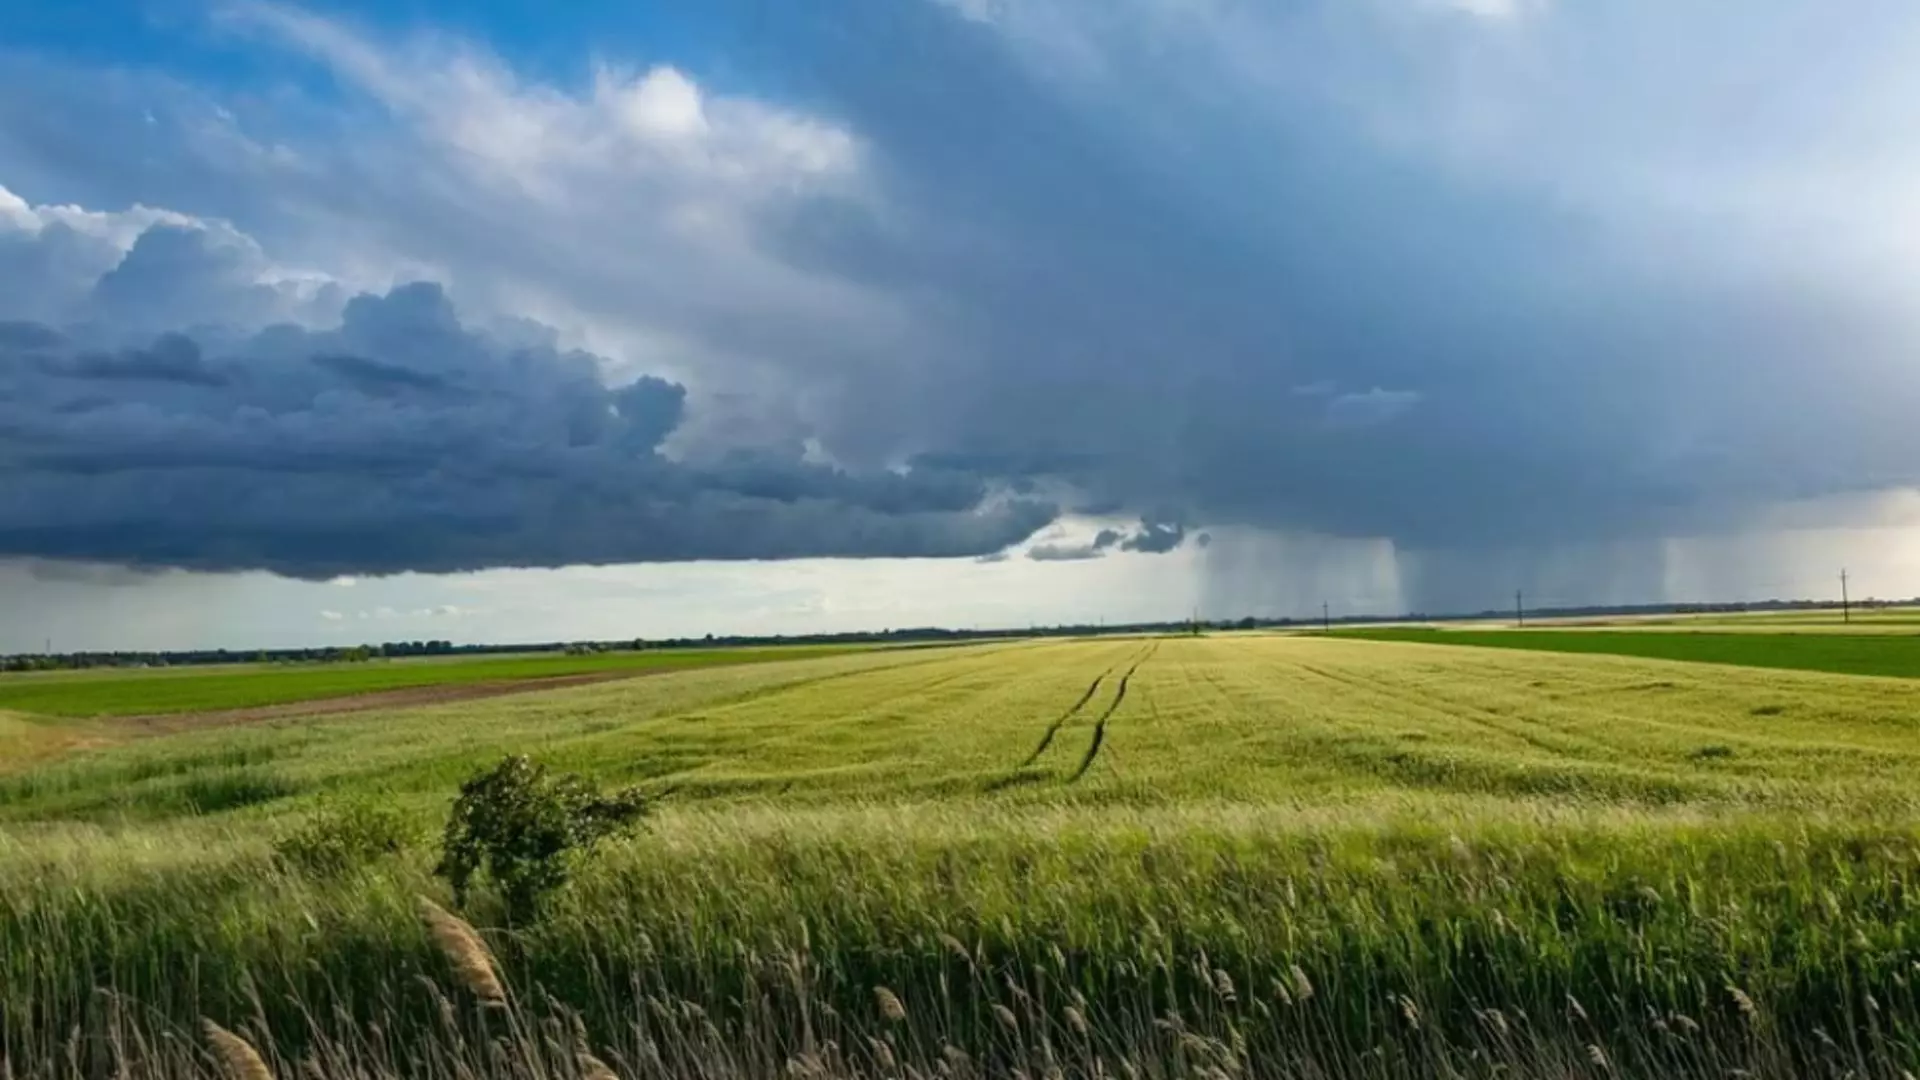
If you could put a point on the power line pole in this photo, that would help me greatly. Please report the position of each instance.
(1326, 619)
(1846, 611)
(1519, 608)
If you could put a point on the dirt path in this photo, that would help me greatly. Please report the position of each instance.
(404, 698)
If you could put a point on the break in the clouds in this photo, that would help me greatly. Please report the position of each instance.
(900, 278)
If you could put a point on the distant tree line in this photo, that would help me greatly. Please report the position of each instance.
(914, 635)
(332, 654)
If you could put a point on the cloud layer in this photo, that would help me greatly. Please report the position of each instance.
(1436, 274)
(403, 440)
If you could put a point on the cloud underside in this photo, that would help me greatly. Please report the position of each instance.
(401, 440)
(1425, 273)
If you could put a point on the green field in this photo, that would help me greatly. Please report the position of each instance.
(138, 692)
(1859, 618)
(1893, 655)
(1240, 855)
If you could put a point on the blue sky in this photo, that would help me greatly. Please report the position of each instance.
(922, 311)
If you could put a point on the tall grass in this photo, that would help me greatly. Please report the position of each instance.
(1191, 942)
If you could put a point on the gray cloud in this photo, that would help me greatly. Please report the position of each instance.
(1362, 271)
(1155, 537)
(1330, 317)
(1152, 538)
(1063, 552)
(403, 440)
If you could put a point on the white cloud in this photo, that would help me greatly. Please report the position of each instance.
(1490, 9)
(118, 230)
(644, 216)
(662, 104)
(1375, 406)
(144, 268)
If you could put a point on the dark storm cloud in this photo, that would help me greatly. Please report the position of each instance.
(171, 358)
(1222, 296)
(404, 441)
(1476, 286)
(1155, 537)
(375, 378)
(1152, 538)
(1063, 552)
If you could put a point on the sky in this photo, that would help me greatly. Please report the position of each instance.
(348, 322)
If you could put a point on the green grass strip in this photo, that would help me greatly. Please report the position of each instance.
(1897, 656)
(119, 692)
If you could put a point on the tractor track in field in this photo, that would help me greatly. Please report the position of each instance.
(1100, 724)
(1046, 739)
(1053, 729)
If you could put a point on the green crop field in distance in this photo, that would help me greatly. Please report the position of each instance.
(140, 692)
(1243, 855)
(1894, 655)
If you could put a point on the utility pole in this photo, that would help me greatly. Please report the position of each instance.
(1519, 607)
(1846, 611)
(1326, 619)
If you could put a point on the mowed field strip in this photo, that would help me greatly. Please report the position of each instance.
(1151, 721)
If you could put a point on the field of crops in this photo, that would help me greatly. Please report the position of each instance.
(143, 692)
(1237, 855)
(1868, 653)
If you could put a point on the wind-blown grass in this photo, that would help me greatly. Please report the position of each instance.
(1290, 857)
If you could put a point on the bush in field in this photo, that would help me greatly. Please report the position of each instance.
(345, 836)
(524, 828)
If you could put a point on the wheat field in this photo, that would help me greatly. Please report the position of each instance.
(1239, 855)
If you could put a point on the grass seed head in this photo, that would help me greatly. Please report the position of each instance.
(466, 951)
(238, 1059)
(1076, 1020)
(1302, 986)
(591, 1067)
(890, 1006)
(956, 947)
